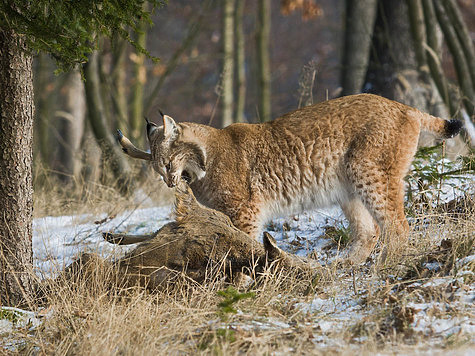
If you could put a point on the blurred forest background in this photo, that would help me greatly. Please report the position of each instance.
(248, 61)
(213, 62)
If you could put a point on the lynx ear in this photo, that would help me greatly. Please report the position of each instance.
(272, 250)
(170, 128)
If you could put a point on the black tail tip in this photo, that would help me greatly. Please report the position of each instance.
(452, 128)
(119, 135)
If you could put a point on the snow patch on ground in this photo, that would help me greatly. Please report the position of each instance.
(58, 240)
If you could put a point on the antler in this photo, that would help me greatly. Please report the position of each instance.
(129, 148)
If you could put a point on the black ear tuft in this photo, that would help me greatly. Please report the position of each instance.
(146, 119)
(452, 128)
(161, 113)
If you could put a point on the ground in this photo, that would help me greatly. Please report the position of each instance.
(421, 300)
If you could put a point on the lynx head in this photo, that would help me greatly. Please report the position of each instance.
(175, 153)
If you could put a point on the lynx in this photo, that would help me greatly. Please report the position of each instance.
(353, 151)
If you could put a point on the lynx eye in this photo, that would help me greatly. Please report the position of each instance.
(168, 166)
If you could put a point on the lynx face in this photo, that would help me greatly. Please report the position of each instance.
(173, 157)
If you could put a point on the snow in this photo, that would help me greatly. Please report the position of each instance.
(57, 240)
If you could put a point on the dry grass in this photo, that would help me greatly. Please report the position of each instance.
(54, 198)
(373, 304)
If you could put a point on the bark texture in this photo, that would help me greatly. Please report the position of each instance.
(16, 190)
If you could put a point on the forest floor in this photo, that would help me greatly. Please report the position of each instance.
(421, 300)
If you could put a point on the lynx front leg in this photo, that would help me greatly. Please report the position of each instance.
(247, 219)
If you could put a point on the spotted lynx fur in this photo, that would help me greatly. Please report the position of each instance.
(353, 151)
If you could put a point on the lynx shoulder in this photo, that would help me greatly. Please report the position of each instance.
(353, 151)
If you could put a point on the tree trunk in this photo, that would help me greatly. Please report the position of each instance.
(458, 55)
(44, 107)
(394, 69)
(463, 34)
(97, 118)
(71, 127)
(240, 62)
(434, 54)
(228, 63)
(360, 17)
(119, 75)
(263, 61)
(140, 77)
(16, 189)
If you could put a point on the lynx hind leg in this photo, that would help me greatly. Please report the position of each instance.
(383, 196)
(364, 230)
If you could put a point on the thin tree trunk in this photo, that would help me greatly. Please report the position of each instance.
(434, 54)
(140, 77)
(240, 62)
(16, 187)
(97, 118)
(360, 17)
(71, 127)
(460, 63)
(463, 34)
(119, 75)
(228, 63)
(43, 108)
(416, 20)
(263, 61)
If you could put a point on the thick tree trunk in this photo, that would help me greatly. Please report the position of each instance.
(263, 60)
(228, 63)
(16, 189)
(360, 17)
(97, 118)
(71, 127)
(395, 69)
(240, 62)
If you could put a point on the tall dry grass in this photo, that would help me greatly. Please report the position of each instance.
(53, 198)
(96, 315)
